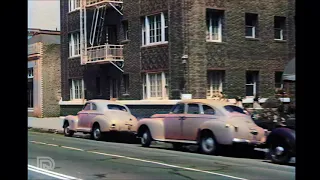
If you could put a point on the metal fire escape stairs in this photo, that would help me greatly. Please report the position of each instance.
(96, 32)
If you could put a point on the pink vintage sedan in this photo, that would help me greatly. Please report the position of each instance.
(99, 117)
(207, 123)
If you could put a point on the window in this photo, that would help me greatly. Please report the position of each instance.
(94, 106)
(117, 107)
(98, 86)
(278, 80)
(74, 5)
(125, 27)
(251, 83)
(126, 83)
(193, 109)
(114, 88)
(86, 107)
(178, 109)
(279, 27)
(76, 89)
(251, 25)
(154, 86)
(30, 73)
(155, 29)
(231, 109)
(214, 25)
(215, 83)
(208, 110)
(74, 44)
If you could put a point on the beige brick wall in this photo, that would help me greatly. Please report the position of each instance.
(51, 71)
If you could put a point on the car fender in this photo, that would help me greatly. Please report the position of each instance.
(222, 133)
(73, 122)
(155, 126)
(288, 134)
(103, 121)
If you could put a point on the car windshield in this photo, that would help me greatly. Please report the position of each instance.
(116, 107)
(231, 109)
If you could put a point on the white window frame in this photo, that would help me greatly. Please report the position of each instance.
(73, 89)
(74, 45)
(74, 5)
(146, 30)
(146, 86)
(211, 27)
(254, 84)
(215, 82)
(281, 31)
(252, 27)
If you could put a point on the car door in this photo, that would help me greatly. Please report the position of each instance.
(83, 115)
(191, 122)
(92, 113)
(173, 122)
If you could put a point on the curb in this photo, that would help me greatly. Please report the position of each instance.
(53, 131)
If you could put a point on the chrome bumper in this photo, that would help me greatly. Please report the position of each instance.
(246, 141)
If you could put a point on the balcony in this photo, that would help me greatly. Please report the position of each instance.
(34, 49)
(105, 53)
(91, 3)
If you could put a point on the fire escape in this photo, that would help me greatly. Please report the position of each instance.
(97, 52)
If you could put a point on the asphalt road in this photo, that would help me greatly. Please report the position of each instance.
(87, 159)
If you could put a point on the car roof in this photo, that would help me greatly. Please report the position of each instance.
(211, 102)
(104, 102)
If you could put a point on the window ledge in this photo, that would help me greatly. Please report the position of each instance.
(216, 42)
(74, 57)
(154, 44)
(125, 41)
(252, 39)
(280, 40)
(73, 102)
(75, 10)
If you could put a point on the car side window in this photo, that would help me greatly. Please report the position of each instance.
(94, 106)
(86, 107)
(117, 107)
(208, 110)
(178, 109)
(193, 109)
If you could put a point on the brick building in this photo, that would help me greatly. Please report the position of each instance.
(158, 49)
(44, 76)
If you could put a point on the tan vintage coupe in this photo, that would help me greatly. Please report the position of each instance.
(100, 116)
(207, 123)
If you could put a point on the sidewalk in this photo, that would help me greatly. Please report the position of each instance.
(46, 124)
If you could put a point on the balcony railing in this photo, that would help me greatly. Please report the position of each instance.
(100, 2)
(105, 53)
(34, 49)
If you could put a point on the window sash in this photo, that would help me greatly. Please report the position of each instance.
(278, 33)
(251, 31)
(154, 85)
(215, 82)
(74, 45)
(74, 5)
(214, 30)
(155, 29)
(77, 89)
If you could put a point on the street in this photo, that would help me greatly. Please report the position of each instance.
(87, 159)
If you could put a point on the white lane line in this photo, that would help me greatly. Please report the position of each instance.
(153, 162)
(77, 149)
(37, 142)
(168, 165)
(51, 173)
(51, 144)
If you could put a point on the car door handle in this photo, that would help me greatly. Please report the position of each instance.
(182, 118)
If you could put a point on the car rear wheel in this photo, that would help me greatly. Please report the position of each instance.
(66, 130)
(146, 138)
(208, 144)
(279, 152)
(96, 133)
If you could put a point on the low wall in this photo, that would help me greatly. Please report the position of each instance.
(139, 111)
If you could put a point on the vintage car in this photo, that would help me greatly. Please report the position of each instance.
(99, 117)
(208, 123)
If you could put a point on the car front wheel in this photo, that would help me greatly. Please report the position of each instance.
(208, 144)
(146, 138)
(279, 152)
